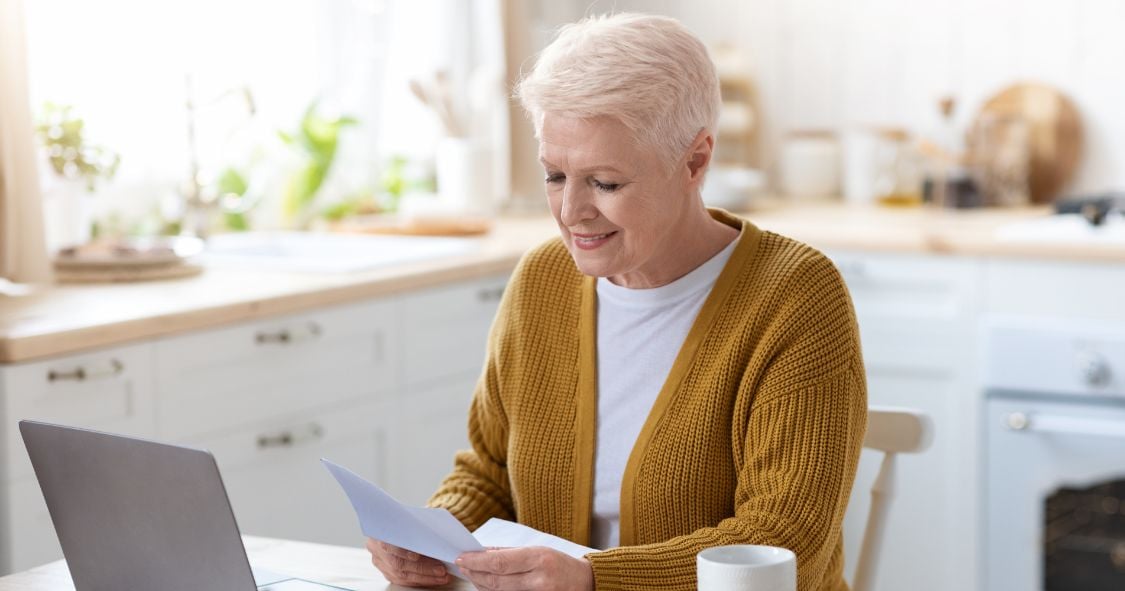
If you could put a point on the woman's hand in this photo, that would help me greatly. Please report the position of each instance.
(538, 568)
(406, 568)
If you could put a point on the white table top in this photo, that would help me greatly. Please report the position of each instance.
(334, 565)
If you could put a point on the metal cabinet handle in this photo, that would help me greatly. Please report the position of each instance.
(490, 294)
(1063, 425)
(288, 336)
(291, 437)
(83, 373)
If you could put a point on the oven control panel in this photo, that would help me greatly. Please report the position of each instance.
(1064, 357)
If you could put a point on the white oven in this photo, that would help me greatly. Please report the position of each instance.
(1055, 433)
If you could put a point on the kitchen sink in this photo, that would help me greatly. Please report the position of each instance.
(320, 252)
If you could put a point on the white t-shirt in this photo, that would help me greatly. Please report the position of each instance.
(640, 332)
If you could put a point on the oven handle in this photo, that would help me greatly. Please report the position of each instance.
(1043, 423)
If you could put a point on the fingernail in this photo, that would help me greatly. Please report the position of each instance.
(459, 561)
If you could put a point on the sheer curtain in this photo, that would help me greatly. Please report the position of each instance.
(23, 252)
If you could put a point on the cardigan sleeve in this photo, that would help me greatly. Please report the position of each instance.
(796, 450)
(478, 488)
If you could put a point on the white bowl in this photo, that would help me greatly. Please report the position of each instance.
(731, 187)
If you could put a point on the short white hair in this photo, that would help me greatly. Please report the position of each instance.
(649, 72)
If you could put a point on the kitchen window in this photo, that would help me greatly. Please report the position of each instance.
(252, 69)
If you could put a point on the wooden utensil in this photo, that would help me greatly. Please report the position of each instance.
(1056, 133)
(435, 95)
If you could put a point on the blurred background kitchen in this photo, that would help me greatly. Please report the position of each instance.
(174, 118)
(280, 229)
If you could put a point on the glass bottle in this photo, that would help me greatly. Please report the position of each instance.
(898, 176)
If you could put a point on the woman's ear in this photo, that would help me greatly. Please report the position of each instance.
(699, 156)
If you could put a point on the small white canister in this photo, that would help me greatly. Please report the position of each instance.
(810, 165)
(861, 165)
(463, 167)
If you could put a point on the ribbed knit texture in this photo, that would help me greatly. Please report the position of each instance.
(754, 438)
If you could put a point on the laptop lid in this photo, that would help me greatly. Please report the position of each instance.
(136, 514)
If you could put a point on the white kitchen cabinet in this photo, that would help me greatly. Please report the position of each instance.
(445, 329)
(1056, 289)
(270, 398)
(275, 480)
(445, 333)
(917, 317)
(381, 387)
(433, 425)
(110, 390)
(219, 380)
(30, 536)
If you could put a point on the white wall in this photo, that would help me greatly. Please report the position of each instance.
(827, 63)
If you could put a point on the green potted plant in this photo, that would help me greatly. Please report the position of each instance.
(316, 139)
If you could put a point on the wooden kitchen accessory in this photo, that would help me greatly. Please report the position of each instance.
(1055, 133)
(415, 225)
(128, 260)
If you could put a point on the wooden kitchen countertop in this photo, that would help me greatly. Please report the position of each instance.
(57, 320)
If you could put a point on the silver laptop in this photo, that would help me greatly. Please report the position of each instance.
(138, 515)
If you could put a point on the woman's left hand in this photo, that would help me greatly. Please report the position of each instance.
(535, 567)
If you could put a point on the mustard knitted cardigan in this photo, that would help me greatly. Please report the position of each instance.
(753, 439)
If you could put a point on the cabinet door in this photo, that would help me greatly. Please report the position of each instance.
(917, 317)
(109, 390)
(433, 426)
(29, 539)
(277, 484)
(444, 330)
(220, 380)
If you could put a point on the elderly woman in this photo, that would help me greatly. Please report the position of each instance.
(662, 377)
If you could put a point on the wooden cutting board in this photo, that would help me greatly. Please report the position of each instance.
(429, 226)
(125, 274)
(1056, 133)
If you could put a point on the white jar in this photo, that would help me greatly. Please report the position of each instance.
(810, 165)
(861, 165)
(463, 167)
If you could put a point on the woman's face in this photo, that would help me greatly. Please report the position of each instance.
(618, 205)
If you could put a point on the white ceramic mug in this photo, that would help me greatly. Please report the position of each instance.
(746, 568)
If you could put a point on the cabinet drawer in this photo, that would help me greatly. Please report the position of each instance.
(908, 287)
(109, 390)
(445, 329)
(275, 480)
(1073, 289)
(914, 312)
(220, 379)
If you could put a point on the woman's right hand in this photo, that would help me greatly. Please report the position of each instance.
(406, 568)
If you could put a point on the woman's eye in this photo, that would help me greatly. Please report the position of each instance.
(554, 178)
(606, 187)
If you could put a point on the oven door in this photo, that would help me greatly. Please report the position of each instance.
(1055, 493)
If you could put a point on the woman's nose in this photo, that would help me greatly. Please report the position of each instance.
(577, 206)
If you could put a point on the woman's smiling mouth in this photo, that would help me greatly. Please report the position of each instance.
(591, 241)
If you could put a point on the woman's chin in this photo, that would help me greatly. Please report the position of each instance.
(591, 264)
